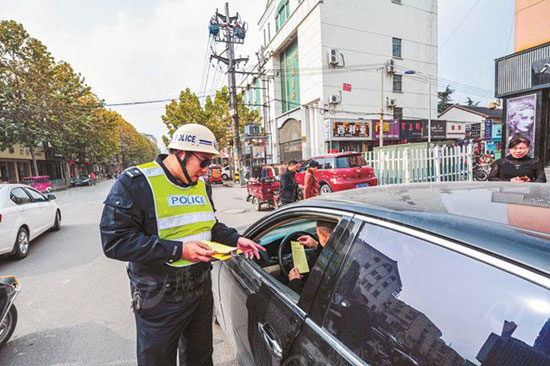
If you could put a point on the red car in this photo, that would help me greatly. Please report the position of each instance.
(339, 172)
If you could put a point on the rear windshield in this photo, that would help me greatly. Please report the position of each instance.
(28, 181)
(350, 161)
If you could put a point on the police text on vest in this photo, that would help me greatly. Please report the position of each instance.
(185, 200)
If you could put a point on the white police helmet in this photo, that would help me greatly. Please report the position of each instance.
(195, 138)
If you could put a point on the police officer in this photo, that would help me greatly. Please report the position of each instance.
(155, 217)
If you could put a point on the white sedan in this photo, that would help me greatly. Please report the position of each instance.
(25, 213)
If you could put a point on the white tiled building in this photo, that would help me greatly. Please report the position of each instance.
(300, 78)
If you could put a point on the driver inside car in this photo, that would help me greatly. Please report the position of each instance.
(324, 230)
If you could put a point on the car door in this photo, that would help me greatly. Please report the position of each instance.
(9, 218)
(33, 212)
(45, 208)
(261, 314)
(408, 299)
(19, 213)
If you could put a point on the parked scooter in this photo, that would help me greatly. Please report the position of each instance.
(9, 289)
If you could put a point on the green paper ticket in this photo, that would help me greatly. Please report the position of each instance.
(299, 257)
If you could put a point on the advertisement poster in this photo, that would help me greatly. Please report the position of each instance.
(391, 129)
(520, 119)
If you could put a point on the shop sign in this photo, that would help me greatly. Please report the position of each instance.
(487, 135)
(497, 132)
(475, 131)
(438, 128)
(351, 129)
(455, 130)
(411, 130)
(258, 152)
(391, 129)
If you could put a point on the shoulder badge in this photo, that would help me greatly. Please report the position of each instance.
(133, 172)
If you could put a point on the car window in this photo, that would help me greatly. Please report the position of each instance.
(350, 161)
(19, 196)
(272, 238)
(402, 301)
(329, 163)
(36, 196)
(321, 162)
(27, 181)
(304, 166)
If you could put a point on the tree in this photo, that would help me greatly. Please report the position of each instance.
(444, 99)
(214, 115)
(26, 69)
(470, 102)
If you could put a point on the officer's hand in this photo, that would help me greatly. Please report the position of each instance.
(294, 274)
(307, 241)
(197, 251)
(249, 248)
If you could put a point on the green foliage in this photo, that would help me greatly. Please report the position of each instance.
(44, 101)
(214, 114)
(470, 102)
(445, 100)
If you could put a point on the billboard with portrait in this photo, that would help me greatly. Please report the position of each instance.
(520, 119)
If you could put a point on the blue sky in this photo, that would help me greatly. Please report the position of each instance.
(132, 50)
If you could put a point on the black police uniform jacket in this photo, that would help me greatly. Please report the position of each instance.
(129, 231)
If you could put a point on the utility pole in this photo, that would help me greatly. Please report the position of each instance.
(234, 32)
(381, 127)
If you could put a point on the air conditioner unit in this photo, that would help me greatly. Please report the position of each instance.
(391, 102)
(335, 99)
(390, 67)
(334, 57)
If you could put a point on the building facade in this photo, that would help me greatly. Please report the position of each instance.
(522, 80)
(325, 62)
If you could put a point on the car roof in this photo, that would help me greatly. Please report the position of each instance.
(37, 176)
(507, 219)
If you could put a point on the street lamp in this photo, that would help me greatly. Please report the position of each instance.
(413, 72)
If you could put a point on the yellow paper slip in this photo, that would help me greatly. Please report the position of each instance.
(223, 251)
(299, 257)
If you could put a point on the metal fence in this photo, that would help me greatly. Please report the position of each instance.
(434, 164)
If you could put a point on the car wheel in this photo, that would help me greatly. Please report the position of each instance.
(8, 326)
(21, 247)
(57, 223)
(325, 189)
(225, 177)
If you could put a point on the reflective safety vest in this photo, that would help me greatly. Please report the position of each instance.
(183, 214)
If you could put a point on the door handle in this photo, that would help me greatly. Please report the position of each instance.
(272, 344)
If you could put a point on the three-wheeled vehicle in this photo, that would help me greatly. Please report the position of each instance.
(41, 183)
(215, 174)
(263, 188)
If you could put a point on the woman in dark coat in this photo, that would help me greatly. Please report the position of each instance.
(518, 166)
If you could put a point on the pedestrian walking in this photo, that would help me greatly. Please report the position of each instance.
(155, 217)
(289, 188)
(518, 166)
(311, 182)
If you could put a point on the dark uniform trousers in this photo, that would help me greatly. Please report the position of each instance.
(172, 313)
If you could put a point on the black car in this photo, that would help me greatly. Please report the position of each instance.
(82, 180)
(453, 274)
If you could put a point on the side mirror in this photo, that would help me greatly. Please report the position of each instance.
(51, 197)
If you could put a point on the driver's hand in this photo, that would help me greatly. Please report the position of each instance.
(294, 274)
(308, 241)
